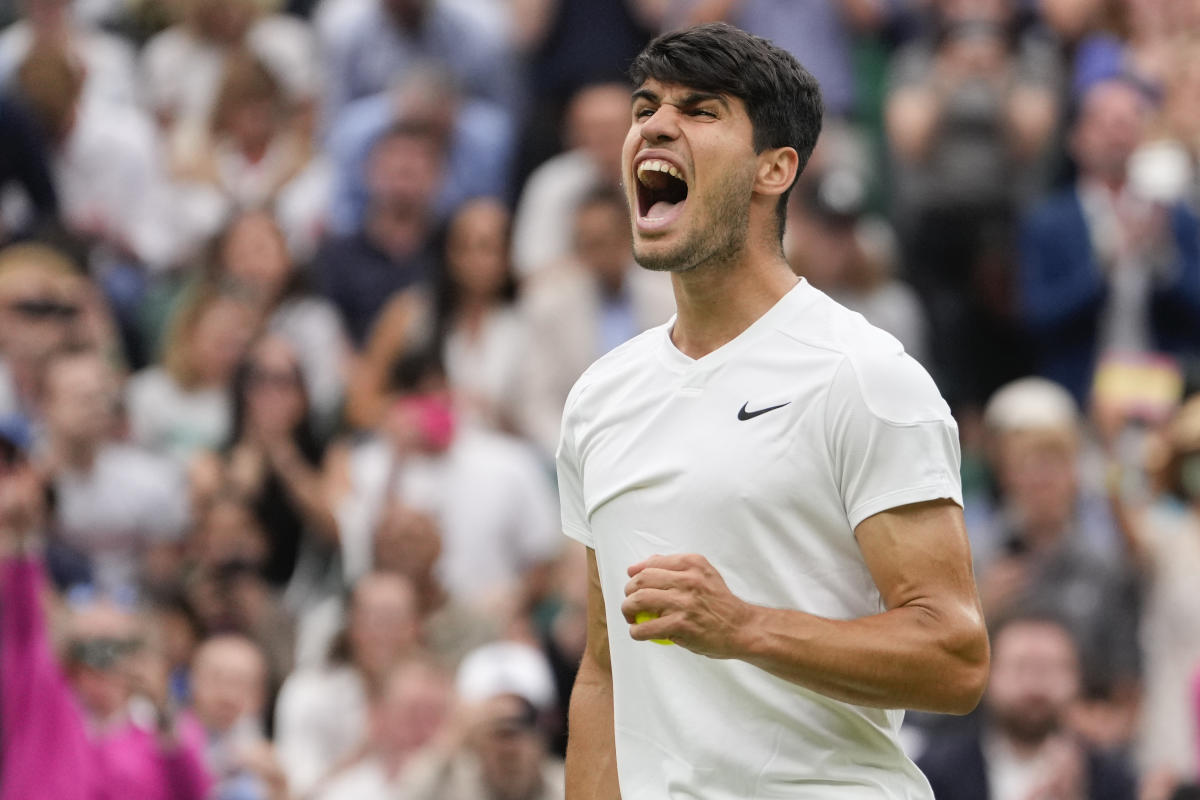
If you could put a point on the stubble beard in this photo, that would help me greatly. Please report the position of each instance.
(717, 238)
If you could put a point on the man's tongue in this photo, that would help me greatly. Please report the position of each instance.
(660, 209)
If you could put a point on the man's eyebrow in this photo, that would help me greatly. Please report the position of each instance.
(645, 94)
(696, 98)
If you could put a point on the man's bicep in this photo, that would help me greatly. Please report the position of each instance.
(918, 554)
(597, 622)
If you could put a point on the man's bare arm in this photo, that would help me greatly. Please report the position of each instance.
(927, 651)
(591, 748)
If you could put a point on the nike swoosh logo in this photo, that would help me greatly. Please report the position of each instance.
(744, 415)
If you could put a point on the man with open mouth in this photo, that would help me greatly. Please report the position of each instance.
(767, 483)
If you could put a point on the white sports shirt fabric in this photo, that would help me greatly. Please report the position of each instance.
(655, 458)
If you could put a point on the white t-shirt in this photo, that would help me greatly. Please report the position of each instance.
(763, 456)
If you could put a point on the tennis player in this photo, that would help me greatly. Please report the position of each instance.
(768, 482)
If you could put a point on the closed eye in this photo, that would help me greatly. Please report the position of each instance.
(700, 112)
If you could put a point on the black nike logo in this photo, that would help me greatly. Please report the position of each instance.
(744, 415)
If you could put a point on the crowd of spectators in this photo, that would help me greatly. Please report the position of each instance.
(292, 293)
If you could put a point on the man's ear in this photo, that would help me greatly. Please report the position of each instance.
(777, 168)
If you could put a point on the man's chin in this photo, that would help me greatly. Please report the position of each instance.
(663, 257)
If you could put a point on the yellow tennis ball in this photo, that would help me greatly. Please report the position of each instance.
(646, 616)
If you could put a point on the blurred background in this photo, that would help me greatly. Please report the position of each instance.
(292, 293)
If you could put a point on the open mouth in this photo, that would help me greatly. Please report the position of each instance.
(661, 193)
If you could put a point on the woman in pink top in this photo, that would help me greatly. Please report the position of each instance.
(79, 733)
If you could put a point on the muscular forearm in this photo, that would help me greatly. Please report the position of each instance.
(591, 752)
(909, 657)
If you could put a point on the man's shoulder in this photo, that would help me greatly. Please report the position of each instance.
(620, 363)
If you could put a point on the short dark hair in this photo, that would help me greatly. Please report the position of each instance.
(782, 98)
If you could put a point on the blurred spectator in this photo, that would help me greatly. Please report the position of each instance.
(183, 405)
(359, 272)
(108, 60)
(99, 725)
(407, 543)
(1025, 749)
(473, 321)
(479, 136)
(583, 307)
(182, 66)
(1104, 268)
(45, 304)
(820, 34)
(377, 40)
(597, 120)
(252, 153)
(122, 508)
(569, 45)
(504, 690)
(24, 161)
(273, 460)
(250, 260)
(322, 716)
(107, 164)
(490, 496)
(229, 677)
(225, 586)
(410, 710)
(1164, 544)
(1048, 551)
(850, 256)
(970, 111)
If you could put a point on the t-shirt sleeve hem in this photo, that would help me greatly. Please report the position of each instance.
(581, 535)
(944, 490)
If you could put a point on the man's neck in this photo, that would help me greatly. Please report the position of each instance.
(1018, 748)
(78, 456)
(398, 235)
(716, 302)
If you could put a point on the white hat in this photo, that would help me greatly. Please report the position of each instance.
(506, 668)
(1031, 404)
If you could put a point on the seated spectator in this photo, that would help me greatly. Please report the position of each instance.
(850, 256)
(115, 504)
(46, 303)
(505, 691)
(98, 724)
(1102, 268)
(970, 112)
(474, 323)
(182, 406)
(273, 461)
(490, 496)
(1025, 749)
(107, 59)
(105, 158)
(225, 588)
(1164, 545)
(478, 133)
(322, 715)
(229, 680)
(410, 711)
(182, 65)
(583, 307)
(377, 40)
(1048, 550)
(407, 543)
(392, 250)
(253, 152)
(250, 259)
(597, 120)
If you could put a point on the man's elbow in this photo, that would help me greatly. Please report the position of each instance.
(970, 663)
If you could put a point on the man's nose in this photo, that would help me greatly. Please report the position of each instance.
(662, 125)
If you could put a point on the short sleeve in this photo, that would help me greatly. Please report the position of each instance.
(890, 434)
(570, 478)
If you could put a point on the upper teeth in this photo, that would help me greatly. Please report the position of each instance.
(658, 165)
